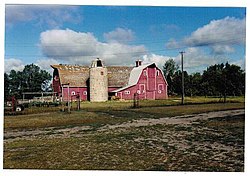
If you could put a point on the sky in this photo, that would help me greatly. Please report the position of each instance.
(119, 35)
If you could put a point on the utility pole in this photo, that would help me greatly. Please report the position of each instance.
(68, 100)
(182, 78)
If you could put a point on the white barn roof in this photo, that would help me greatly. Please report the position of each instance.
(134, 76)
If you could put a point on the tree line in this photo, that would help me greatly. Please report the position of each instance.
(217, 80)
(220, 80)
(30, 79)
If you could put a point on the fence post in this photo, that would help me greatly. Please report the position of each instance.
(136, 100)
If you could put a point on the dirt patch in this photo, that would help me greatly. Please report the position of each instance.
(185, 119)
(203, 142)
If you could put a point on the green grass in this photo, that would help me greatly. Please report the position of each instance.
(102, 116)
(159, 147)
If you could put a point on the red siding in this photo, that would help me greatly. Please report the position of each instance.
(73, 91)
(151, 85)
(56, 85)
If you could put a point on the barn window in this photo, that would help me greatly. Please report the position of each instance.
(145, 72)
(99, 63)
(73, 93)
(138, 91)
(127, 92)
(160, 87)
(85, 93)
(142, 88)
(157, 73)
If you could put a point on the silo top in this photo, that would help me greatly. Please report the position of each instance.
(97, 63)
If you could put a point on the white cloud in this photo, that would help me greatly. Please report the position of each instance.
(13, 64)
(44, 64)
(158, 59)
(220, 35)
(81, 48)
(172, 44)
(241, 63)
(52, 16)
(119, 35)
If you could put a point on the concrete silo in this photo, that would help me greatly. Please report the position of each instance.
(98, 81)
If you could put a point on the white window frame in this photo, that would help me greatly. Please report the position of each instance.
(157, 73)
(140, 88)
(127, 92)
(138, 91)
(160, 85)
(145, 73)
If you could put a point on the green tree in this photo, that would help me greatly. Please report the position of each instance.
(193, 84)
(31, 79)
(169, 69)
(177, 78)
(15, 83)
(6, 86)
(35, 80)
(223, 80)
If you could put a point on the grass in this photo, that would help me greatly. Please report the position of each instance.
(107, 116)
(160, 147)
(212, 145)
(125, 105)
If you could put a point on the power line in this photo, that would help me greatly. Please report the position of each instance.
(58, 44)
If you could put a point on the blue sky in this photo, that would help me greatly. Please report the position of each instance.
(46, 34)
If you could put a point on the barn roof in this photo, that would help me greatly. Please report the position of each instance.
(77, 76)
(136, 72)
(118, 76)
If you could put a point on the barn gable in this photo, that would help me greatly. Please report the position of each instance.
(135, 75)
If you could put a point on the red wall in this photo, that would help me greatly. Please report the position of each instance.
(151, 85)
(56, 84)
(82, 91)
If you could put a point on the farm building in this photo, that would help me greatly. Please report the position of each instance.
(97, 82)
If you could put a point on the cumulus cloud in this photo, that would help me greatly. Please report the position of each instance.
(44, 64)
(221, 35)
(119, 35)
(13, 64)
(80, 48)
(154, 58)
(52, 16)
(172, 44)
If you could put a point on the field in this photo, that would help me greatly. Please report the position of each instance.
(202, 135)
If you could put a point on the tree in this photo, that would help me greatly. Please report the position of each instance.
(169, 69)
(34, 78)
(193, 84)
(31, 79)
(15, 83)
(223, 80)
(177, 78)
(6, 86)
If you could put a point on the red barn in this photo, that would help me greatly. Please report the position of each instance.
(147, 81)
